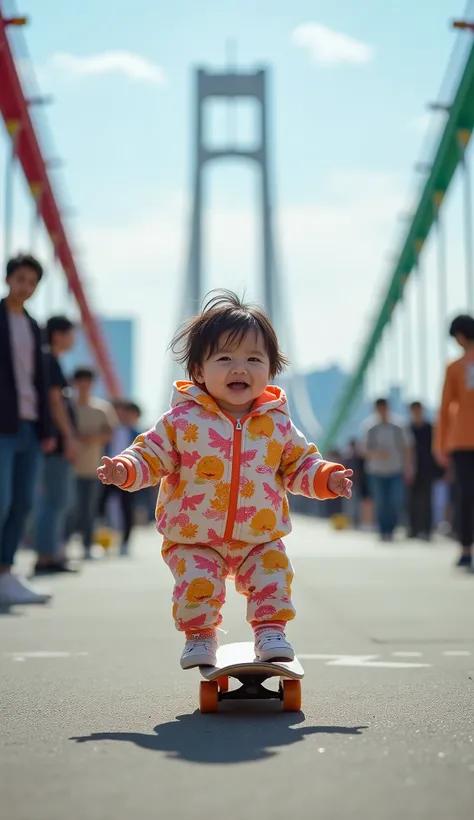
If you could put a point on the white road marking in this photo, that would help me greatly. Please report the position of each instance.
(457, 653)
(363, 660)
(407, 654)
(22, 656)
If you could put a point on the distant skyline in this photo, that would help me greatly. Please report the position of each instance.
(348, 122)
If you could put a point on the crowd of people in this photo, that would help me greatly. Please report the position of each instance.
(419, 474)
(53, 435)
(397, 479)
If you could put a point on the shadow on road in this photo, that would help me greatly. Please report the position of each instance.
(224, 738)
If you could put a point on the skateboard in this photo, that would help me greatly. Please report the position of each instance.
(237, 660)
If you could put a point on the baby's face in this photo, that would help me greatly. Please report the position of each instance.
(236, 375)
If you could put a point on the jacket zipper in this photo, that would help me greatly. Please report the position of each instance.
(234, 481)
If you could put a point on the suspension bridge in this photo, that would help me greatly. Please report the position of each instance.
(97, 718)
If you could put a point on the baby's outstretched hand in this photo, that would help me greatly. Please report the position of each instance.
(112, 472)
(339, 483)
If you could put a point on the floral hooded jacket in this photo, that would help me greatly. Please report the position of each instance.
(225, 481)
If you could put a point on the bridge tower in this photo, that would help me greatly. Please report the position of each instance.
(231, 86)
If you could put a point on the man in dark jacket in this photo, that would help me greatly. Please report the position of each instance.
(25, 424)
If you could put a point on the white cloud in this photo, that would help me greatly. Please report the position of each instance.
(110, 62)
(328, 47)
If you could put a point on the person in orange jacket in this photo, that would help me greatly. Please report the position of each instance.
(454, 441)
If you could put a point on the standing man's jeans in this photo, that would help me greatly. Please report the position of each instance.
(440, 501)
(85, 510)
(388, 494)
(20, 456)
(53, 506)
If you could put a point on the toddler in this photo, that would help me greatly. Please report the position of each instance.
(226, 453)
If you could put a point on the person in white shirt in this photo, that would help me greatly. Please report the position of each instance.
(25, 422)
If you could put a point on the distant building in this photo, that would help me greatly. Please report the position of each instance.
(119, 335)
(319, 394)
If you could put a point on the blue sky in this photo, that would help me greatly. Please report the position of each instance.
(349, 86)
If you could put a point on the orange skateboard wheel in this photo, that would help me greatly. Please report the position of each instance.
(208, 696)
(291, 695)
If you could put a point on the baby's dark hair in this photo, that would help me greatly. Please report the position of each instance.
(224, 313)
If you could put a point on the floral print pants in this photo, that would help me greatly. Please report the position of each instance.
(262, 573)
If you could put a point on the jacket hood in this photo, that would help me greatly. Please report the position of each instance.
(273, 398)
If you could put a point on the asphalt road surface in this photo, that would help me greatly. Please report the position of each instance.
(98, 721)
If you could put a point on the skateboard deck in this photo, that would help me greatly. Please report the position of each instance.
(237, 660)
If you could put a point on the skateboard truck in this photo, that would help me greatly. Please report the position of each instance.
(251, 689)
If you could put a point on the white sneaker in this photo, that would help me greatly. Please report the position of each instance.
(199, 650)
(15, 590)
(271, 645)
